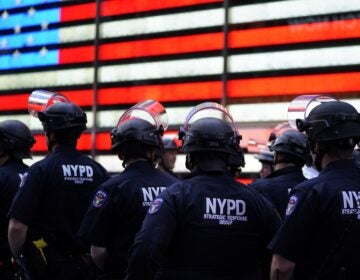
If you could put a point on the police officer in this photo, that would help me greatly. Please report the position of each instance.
(53, 198)
(208, 226)
(119, 206)
(291, 151)
(15, 144)
(166, 162)
(266, 158)
(320, 236)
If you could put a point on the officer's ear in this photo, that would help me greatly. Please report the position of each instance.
(319, 148)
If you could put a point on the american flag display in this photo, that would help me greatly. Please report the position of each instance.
(172, 51)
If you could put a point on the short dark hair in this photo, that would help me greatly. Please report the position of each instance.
(134, 150)
(68, 136)
(289, 158)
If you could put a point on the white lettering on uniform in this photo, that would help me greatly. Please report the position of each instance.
(225, 210)
(89, 171)
(77, 173)
(150, 193)
(210, 205)
(74, 168)
(66, 170)
(81, 170)
(351, 203)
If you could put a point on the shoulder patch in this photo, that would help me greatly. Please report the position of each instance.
(99, 199)
(155, 205)
(291, 204)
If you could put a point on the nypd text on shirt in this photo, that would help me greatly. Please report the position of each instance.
(77, 173)
(350, 203)
(225, 211)
(149, 194)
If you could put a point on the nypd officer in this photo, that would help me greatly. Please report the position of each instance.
(208, 226)
(291, 151)
(15, 144)
(167, 159)
(53, 198)
(119, 206)
(320, 236)
(266, 158)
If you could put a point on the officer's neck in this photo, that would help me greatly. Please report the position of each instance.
(4, 158)
(131, 161)
(282, 165)
(328, 158)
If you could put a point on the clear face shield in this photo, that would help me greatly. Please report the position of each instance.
(40, 100)
(208, 110)
(300, 108)
(149, 110)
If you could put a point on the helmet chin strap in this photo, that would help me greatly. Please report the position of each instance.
(188, 162)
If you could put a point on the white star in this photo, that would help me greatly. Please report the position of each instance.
(29, 40)
(16, 53)
(4, 15)
(17, 29)
(43, 51)
(31, 11)
(3, 43)
(44, 25)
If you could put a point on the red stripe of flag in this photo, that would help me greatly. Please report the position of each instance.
(116, 7)
(103, 142)
(337, 83)
(341, 29)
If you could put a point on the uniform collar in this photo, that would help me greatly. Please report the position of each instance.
(283, 171)
(138, 164)
(64, 148)
(339, 164)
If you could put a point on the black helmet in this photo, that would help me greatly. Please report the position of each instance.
(144, 122)
(211, 133)
(169, 143)
(265, 156)
(63, 115)
(330, 121)
(292, 142)
(136, 130)
(16, 138)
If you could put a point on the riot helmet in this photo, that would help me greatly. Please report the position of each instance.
(292, 142)
(61, 116)
(210, 127)
(328, 121)
(16, 139)
(144, 123)
(169, 143)
(265, 155)
(56, 112)
(331, 121)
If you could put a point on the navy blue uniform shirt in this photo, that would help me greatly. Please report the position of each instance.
(55, 195)
(322, 229)
(118, 209)
(277, 186)
(11, 173)
(206, 227)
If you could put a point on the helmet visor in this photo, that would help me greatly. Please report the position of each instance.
(149, 110)
(40, 100)
(302, 105)
(206, 110)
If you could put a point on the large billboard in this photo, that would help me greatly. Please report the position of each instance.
(173, 51)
